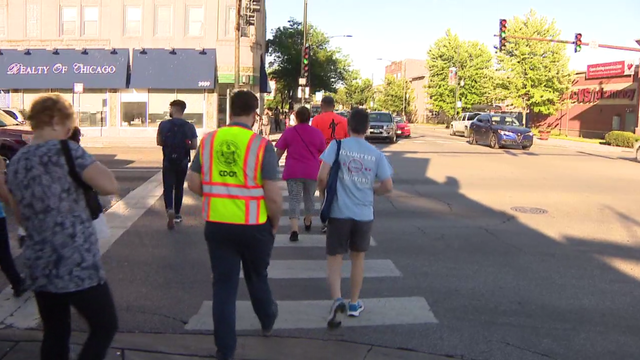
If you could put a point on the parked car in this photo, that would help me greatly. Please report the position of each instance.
(404, 130)
(13, 135)
(17, 114)
(460, 126)
(498, 130)
(382, 127)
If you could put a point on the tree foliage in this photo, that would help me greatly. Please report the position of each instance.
(475, 66)
(328, 67)
(391, 97)
(535, 74)
(356, 92)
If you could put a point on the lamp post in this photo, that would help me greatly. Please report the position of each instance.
(340, 36)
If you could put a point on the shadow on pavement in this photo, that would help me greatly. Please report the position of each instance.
(499, 288)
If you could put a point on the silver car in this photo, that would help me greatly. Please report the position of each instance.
(381, 127)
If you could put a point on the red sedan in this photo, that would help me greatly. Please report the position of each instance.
(404, 130)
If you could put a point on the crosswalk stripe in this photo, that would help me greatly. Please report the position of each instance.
(306, 240)
(284, 221)
(317, 269)
(316, 205)
(313, 314)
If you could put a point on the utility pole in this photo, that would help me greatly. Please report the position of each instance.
(404, 89)
(237, 54)
(304, 45)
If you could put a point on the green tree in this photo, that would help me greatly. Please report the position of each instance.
(328, 67)
(391, 97)
(474, 64)
(537, 73)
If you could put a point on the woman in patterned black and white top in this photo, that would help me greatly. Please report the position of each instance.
(61, 252)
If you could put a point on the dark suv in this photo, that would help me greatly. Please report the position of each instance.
(13, 135)
(381, 126)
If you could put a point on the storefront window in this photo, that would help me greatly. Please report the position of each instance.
(92, 106)
(195, 106)
(159, 105)
(133, 108)
(29, 96)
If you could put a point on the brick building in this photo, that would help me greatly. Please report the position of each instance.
(416, 72)
(603, 98)
(131, 57)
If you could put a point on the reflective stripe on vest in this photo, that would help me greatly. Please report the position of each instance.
(232, 189)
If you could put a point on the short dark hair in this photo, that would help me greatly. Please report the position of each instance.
(244, 103)
(76, 134)
(179, 104)
(359, 121)
(303, 115)
(328, 101)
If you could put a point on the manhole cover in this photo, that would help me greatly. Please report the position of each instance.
(529, 210)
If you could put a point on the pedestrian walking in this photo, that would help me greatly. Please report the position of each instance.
(351, 214)
(292, 118)
(332, 126)
(177, 137)
(61, 254)
(7, 264)
(236, 173)
(277, 120)
(266, 124)
(304, 144)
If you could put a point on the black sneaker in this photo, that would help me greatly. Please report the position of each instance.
(268, 329)
(336, 314)
(178, 218)
(294, 236)
(19, 289)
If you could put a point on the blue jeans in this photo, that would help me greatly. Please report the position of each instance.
(230, 246)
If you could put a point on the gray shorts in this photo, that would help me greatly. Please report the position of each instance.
(344, 235)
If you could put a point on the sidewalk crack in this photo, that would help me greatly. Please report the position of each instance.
(527, 350)
(368, 352)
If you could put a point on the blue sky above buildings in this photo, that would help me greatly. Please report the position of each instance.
(400, 29)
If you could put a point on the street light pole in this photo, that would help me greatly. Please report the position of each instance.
(304, 44)
(236, 75)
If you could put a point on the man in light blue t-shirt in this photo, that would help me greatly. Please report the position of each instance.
(351, 219)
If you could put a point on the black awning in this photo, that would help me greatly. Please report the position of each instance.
(177, 69)
(265, 87)
(60, 69)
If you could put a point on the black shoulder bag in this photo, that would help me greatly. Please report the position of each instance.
(90, 196)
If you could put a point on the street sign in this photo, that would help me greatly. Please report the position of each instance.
(453, 76)
(459, 104)
(593, 45)
(78, 88)
(319, 96)
(302, 81)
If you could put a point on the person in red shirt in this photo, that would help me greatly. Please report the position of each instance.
(332, 125)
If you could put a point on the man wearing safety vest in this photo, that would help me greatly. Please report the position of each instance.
(236, 173)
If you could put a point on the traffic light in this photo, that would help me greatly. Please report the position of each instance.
(305, 61)
(502, 34)
(577, 43)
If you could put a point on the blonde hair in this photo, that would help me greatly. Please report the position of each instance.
(46, 109)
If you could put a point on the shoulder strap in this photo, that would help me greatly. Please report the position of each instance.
(304, 142)
(71, 164)
(339, 146)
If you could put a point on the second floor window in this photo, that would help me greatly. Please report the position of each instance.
(90, 21)
(164, 20)
(33, 20)
(133, 21)
(195, 20)
(68, 21)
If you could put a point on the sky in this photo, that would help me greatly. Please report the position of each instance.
(400, 29)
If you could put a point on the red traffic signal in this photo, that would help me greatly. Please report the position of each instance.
(577, 43)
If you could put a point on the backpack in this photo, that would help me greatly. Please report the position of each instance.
(176, 143)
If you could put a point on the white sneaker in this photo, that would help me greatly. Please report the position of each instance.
(337, 314)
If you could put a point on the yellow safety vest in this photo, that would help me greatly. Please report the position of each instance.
(231, 159)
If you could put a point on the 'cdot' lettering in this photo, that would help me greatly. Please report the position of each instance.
(225, 173)
(79, 68)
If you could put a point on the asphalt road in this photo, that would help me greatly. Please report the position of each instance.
(559, 283)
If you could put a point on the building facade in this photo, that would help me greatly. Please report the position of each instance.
(120, 62)
(603, 98)
(415, 71)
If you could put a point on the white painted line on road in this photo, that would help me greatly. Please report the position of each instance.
(317, 269)
(284, 221)
(23, 313)
(306, 240)
(316, 205)
(418, 141)
(285, 192)
(313, 314)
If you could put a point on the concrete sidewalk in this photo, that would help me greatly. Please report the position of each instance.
(23, 345)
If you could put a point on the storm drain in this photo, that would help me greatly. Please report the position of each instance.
(529, 210)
